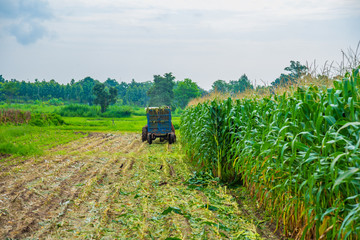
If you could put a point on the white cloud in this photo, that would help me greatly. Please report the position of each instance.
(275, 8)
(201, 39)
(24, 19)
(227, 16)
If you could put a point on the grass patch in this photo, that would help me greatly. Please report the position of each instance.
(34, 108)
(113, 111)
(79, 110)
(29, 140)
(127, 124)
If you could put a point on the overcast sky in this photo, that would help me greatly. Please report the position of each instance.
(204, 40)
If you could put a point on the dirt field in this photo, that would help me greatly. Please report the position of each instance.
(107, 186)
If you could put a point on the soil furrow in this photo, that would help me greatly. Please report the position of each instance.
(113, 186)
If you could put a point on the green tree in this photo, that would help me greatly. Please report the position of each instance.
(240, 85)
(296, 71)
(122, 89)
(161, 93)
(2, 97)
(283, 80)
(87, 85)
(104, 96)
(185, 91)
(220, 86)
(136, 93)
(10, 89)
(111, 83)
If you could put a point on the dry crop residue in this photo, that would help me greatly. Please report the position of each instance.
(114, 186)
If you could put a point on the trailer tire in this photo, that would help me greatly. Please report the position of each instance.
(149, 138)
(144, 134)
(171, 138)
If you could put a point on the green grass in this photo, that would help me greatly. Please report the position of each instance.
(33, 108)
(92, 110)
(128, 124)
(30, 140)
(27, 140)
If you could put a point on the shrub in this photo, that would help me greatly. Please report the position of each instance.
(118, 112)
(56, 102)
(79, 110)
(41, 119)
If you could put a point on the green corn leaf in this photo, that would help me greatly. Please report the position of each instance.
(327, 212)
(344, 176)
(330, 120)
(353, 124)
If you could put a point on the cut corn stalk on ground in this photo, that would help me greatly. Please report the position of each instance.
(113, 186)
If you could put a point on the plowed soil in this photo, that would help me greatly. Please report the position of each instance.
(113, 186)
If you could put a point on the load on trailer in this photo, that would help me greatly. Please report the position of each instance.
(159, 125)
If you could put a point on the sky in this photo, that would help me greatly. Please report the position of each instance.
(204, 40)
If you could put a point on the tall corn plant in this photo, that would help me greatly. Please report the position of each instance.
(300, 152)
(206, 127)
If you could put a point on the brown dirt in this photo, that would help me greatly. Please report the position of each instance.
(268, 231)
(4, 155)
(113, 186)
(36, 193)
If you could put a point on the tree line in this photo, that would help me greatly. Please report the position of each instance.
(295, 71)
(81, 91)
(163, 90)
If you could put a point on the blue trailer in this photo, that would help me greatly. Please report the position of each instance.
(159, 125)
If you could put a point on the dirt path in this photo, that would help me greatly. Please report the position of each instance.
(113, 186)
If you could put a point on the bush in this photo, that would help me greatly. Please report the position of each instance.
(118, 112)
(40, 120)
(139, 111)
(56, 102)
(178, 112)
(176, 126)
(79, 110)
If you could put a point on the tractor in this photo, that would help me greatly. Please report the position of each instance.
(159, 125)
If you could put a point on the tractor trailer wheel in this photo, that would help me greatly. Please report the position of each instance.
(172, 138)
(149, 138)
(144, 134)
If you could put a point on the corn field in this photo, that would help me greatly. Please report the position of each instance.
(297, 153)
